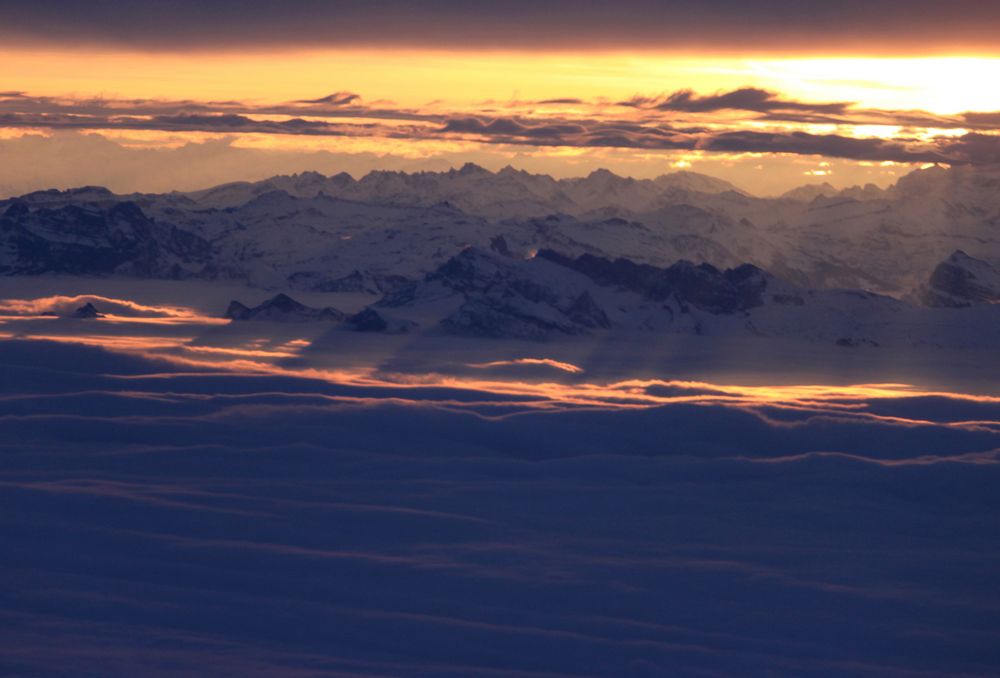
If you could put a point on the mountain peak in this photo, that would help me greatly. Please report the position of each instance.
(694, 181)
(471, 168)
(508, 171)
(602, 173)
(281, 308)
(810, 192)
(88, 310)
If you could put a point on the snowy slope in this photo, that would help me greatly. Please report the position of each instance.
(485, 294)
(961, 280)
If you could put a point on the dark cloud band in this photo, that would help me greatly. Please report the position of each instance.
(743, 99)
(719, 25)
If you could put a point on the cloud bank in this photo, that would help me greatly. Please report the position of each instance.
(162, 144)
(764, 122)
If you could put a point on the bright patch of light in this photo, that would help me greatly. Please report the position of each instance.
(943, 85)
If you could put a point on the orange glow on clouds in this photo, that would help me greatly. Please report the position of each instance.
(402, 104)
(244, 352)
(418, 77)
(251, 358)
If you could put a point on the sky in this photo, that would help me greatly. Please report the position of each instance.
(155, 96)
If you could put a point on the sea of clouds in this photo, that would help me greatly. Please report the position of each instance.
(164, 518)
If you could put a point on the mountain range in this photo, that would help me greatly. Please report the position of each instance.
(486, 294)
(390, 230)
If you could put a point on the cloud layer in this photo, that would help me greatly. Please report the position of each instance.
(269, 524)
(746, 120)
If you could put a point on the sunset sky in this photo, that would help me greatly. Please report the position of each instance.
(770, 95)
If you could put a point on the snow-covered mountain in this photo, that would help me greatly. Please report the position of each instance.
(810, 192)
(91, 231)
(475, 190)
(961, 280)
(311, 232)
(484, 293)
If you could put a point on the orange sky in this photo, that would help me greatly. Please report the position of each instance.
(941, 84)
(415, 93)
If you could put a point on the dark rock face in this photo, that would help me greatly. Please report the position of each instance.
(586, 312)
(961, 280)
(702, 286)
(469, 271)
(282, 308)
(536, 298)
(96, 239)
(355, 281)
(499, 245)
(493, 318)
(236, 311)
(88, 310)
(368, 320)
(503, 300)
(402, 296)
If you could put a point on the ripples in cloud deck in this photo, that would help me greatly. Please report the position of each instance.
(163, 518)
